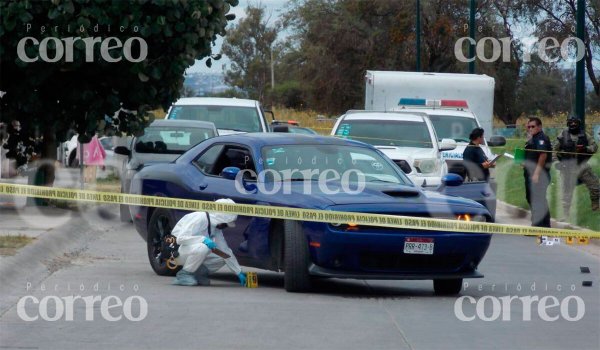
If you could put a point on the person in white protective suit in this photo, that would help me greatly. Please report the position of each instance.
(198, 234)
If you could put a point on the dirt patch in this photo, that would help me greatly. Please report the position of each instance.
(9, 245)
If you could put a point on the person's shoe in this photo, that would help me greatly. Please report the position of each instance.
(184, 278)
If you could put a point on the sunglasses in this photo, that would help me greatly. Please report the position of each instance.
(531, 126)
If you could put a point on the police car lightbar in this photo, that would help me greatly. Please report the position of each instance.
(454, 103)
(421, 102)
(412, 102)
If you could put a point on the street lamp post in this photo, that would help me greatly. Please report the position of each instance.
(472, 35)
(580, 69)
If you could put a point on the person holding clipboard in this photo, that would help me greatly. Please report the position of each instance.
(476, 163)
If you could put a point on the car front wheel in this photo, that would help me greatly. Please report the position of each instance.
(447, 287)
(296, 258)
(161, 223)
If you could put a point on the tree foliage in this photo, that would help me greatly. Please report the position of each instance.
(250, 45)
(53, 97)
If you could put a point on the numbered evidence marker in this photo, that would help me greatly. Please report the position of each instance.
(583, 240)
(545, 240)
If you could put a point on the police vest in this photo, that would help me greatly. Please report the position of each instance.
(568, 145)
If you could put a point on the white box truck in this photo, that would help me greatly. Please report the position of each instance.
(455, 103)
(384, 89)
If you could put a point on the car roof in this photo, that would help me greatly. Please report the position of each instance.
(215, 101)
(183, 123)
(385, 116)
(261, 139)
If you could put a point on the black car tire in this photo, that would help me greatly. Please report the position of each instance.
(296, 258)
(124, 213)
(447, 287)
(161, 223)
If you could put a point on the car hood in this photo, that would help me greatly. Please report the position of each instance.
(407, 153)
(378, 197)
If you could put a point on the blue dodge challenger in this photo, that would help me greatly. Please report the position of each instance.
(315, 172)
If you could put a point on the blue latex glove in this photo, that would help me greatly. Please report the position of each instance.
(209, 243)
(242, 277)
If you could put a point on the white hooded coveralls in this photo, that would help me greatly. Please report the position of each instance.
(191, 231)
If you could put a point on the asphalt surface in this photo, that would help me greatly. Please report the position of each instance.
(338, 314)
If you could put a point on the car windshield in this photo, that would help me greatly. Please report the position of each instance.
(387, 132)
(310, 162)
(170, 140)
(453, 127)
(224, 117)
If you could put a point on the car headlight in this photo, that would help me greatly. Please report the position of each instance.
(469, 217)
(427, 166)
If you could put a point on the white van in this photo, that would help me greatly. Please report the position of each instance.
(230, 115)
(409, 139)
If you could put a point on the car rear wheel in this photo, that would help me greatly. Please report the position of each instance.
(296, 258)
(447, 287)
(161, 223)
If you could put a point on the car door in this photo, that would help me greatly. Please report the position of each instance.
(212, 186)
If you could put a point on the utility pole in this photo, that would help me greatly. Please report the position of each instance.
(472, 36)
(418, 29)
(580, 69)
(272, 70)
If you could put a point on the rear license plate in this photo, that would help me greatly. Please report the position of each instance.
(418, 245)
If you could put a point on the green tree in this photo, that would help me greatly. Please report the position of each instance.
(556, 18)
(250, 46)
(84, 91)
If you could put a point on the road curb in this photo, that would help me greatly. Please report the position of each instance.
(515, 211)
(36, 261)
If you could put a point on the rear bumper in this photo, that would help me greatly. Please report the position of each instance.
(379, 254)
(318, 271)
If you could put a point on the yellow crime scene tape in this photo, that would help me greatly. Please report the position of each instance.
(288, 213)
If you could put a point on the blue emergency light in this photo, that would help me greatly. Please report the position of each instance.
(412, 102)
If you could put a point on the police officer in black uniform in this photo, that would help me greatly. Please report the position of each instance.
(538, 158)
(574, 149)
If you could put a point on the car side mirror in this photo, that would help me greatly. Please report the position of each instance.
(452, 180)
(230, 172)
(122, 150)
(447, 145)
(496, 141)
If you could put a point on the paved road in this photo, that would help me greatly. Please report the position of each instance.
(339, 314)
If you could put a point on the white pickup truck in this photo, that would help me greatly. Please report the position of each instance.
(230, 115)
(407, 138)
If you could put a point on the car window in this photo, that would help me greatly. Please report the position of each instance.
(170, 140)
(107, 143)
(453, 127)
(224, 117)
(387, 132)
(309, 162)
(219, 157)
